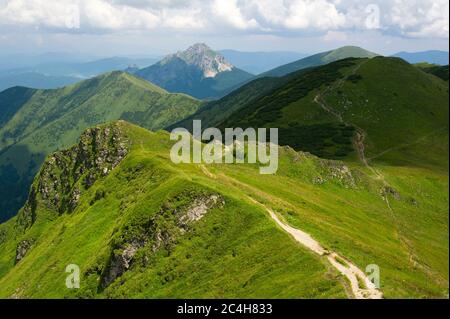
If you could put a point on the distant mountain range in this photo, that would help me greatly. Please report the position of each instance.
(90, 69)
(233, 68)
(432, 57)
(25, 60)
(34, 123)
(56, 74)
(259, 62)
(34, 80)
(197, 71)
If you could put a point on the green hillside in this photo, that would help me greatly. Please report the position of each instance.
(394, 107)
(139, 226)
(37, 122)
(214, 112)
(441, 71)
(320, 59)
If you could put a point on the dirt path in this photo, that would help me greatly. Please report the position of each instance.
(354, 275)
(359, 144)
(360, 133)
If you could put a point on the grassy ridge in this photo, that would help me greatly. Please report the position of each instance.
(52, 119)
(320, 59)
(235, 250)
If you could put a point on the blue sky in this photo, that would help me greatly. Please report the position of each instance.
(141, 27)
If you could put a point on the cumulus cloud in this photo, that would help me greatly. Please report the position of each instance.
(319, 14)
(229, 12)
(411, 18)
(421, 18)
(56, 14)
(101, 14)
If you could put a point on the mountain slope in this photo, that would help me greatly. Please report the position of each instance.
(433, 57)
(320, 59)
(139, 226)
(198, 71)
(441, 71)
(52, 119)
(214, 112)
(323, 110)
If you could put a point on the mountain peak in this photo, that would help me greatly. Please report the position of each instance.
(348, 51)
(199, 47)
(208, 61)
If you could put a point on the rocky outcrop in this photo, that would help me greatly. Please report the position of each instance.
(339, 171)
(22, 249)
(161, 231)
(198, 209)
(65, 174)
(121, 262)
(390, 191)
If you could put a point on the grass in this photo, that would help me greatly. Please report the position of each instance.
(401, 109)
(237, 251)
(49, 120)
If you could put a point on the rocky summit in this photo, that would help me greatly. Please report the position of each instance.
(197, 71)
(201, 56)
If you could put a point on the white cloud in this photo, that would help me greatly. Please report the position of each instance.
(318, 14)
(411, 18)
(183, 19)
(229, 12)
(55, 14)
(421, 18)
(101, 14)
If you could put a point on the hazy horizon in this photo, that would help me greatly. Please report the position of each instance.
(136, 55)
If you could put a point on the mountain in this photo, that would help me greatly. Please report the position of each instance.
(198, 71)
(433, 57)
(35, 123)
(52, 75)
(34, 80)
(322, 110)
(25, 60)
(320, 59)
(139, 226)
(259, 62)
(91, 68)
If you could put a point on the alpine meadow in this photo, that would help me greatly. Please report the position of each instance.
(303, 153)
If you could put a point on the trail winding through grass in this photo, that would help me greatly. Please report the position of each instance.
(361, 286)
(359, 144)
(355, 276)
